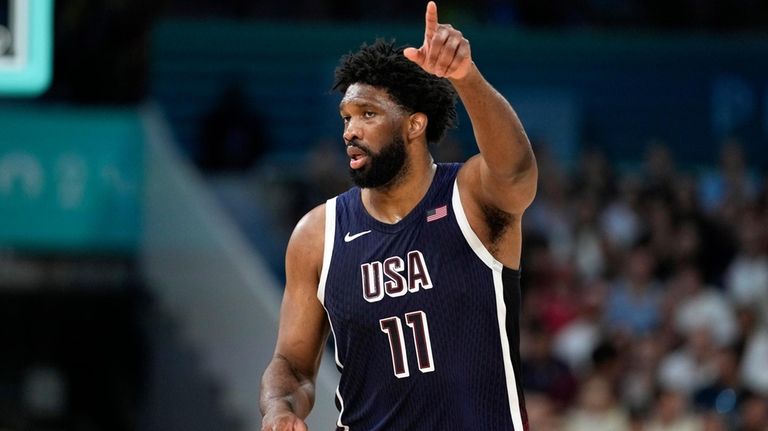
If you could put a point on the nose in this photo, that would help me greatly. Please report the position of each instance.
(351, 131)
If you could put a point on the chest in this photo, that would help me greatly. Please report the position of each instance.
(386, 274)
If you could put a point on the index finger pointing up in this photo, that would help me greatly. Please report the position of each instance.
(431, 22)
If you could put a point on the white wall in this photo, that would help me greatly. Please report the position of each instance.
(212, 281)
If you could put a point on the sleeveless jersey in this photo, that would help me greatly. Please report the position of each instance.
(424, 318)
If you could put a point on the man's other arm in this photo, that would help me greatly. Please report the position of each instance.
(504, 174)
(288, 384)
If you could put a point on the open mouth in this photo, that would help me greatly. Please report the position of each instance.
(357, 157)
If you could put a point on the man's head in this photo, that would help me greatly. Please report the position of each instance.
(389, 101)
(375, 128)
(384, 66)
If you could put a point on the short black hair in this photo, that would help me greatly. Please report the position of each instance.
(383, 65)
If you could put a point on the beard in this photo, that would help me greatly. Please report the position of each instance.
(383, 169)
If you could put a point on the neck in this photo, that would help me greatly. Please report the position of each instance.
(391, 203)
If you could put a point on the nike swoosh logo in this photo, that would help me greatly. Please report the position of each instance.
(349, 237)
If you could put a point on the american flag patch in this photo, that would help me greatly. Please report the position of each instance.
(437, 213)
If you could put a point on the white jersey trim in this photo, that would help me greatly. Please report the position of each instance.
(501, 309)
(341, 411)
(470, 235)
(330, 236)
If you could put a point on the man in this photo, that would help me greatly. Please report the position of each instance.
(415, 271)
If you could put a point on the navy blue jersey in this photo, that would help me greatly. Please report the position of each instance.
(424, 318)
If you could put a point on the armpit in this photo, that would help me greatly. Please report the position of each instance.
(497, 221)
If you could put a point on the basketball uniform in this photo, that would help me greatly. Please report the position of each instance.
(424, 318)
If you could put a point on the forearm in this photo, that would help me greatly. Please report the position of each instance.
(498, 131)
(283, 388)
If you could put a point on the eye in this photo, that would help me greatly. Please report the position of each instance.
(345, 118)
(369, 114)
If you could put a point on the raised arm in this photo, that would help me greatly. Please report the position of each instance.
(504, 174)
(288, 384)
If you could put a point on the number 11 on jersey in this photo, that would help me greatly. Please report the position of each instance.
(393, 327)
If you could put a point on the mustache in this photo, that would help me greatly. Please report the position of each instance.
(357, 144)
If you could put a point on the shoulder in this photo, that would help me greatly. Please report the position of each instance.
(307, 240)
(493, 211)
(311, 224)
(512, 195)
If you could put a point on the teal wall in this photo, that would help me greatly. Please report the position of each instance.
(70, 178)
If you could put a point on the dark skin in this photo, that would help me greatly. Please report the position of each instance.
(496, 186)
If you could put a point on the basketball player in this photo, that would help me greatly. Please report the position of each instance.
(416, 270)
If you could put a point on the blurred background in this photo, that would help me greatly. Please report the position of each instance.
(155, 156)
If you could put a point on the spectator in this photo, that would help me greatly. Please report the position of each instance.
(596, 409)
(588, 247)
(634, 300)
(659, 170)
(542, 413)
(638, 380)
(724, 395)
(729, 189)
(753, 366)
(594, 176)
(753, 414)
(703, 307)
(608, 362)
(620, 223)
(672, 414)
(692, 366)
(232, 135)
(746, 279)
(713, 421)
(550, 213)
(545, 373)
(575, 342)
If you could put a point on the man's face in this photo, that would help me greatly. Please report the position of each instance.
(373, 133)
(383, 168)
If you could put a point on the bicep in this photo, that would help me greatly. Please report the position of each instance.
(303, 323)
(303, 329)
(509, 194)
(494, 209)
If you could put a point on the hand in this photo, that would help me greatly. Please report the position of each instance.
(445, 52)
(285, 421)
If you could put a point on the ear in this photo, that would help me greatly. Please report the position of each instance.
(417, 125)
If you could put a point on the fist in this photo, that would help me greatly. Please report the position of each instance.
(283, 422)
(445, 52)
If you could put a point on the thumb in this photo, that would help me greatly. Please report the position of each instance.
(415, 55)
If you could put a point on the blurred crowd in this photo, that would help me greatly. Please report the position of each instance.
(646, 295)
(645, 288)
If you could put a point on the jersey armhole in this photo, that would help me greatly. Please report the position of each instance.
(469, 235)
(330, 235)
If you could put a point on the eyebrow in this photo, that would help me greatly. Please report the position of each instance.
(357, 104)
